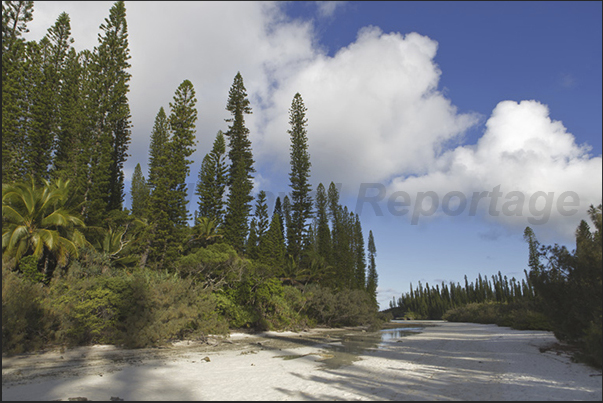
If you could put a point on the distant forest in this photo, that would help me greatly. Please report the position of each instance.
(79, 268)
(561, 292)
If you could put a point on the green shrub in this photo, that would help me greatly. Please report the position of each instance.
(518, 315)
(214, 264)
(91, 308)
(591, 350)
(340, 308)
(165, 307)
(28, 265)
(27, 323)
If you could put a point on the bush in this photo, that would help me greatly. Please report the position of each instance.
(142, 309)
(518, 315)
(214, 265)
(340, 308)
(27, 323)
(165, 307)
(591, 350)
(90, 309)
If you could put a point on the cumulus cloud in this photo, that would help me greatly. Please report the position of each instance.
(527, 157)
(373, 110)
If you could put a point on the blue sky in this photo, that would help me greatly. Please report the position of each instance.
(453, 98)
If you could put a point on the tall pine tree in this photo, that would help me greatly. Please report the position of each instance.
(213, 176)
(372, 277)
(181, 146)
(301, 201)
(159, 185)
(172, 143)
(241, 167)
(15, 16)
(261, 214)
(113, 123)
(323, 233)
(139, 193)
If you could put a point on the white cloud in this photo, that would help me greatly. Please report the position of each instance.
(523, 151)
(373, 110)
(327, 8)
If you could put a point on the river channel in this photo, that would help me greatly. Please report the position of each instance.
(344, 347)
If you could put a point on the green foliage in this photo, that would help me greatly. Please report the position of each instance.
(212, 181)
(323, 232)
(29, 267)
(372, 278)
(167, 308)
(214, 266)
(111, 64)
(172, 143)
(340, 308)
(91, 308)
(139, 193)
(36, 220)
(272, 250)
(241, 167)
(261, 303)
(568, 286)
(301, 201)
(27, 322)
(518, 315)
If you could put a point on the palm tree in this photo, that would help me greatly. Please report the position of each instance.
(36, 220)
(207, 231)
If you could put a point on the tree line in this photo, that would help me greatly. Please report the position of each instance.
(433, 302)
(561, 292)
(66, 128)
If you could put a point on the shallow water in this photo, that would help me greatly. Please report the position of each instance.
(347, 348)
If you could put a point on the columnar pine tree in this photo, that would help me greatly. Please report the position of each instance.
(159, 185)
(69, 145)
(213, 176)
(172, 143)
(336, 216)
(158, 154)
(261, 214)
(241, 167)
(252, 244)
(15, 16)
(272, 249)
(46, 81)
(372, 277)
(359, 255)
(139, 193)
(287, 217)
(323, 233)
(301, 201)
(278, 209)
(41, 107)
(113, 118)
(181, 146)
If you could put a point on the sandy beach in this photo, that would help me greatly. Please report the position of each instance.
(432, 361)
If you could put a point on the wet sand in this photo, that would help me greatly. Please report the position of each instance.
(438, 361)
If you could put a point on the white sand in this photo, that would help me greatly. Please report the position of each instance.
(450, 361)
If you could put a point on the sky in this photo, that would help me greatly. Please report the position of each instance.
(448, 126)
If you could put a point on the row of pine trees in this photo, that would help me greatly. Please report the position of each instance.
(65, 116)
(433, 302)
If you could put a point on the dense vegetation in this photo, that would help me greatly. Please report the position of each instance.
(78, 267)
(561, 292)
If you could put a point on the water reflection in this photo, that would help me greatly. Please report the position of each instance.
(346, 348)
(396, 333)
